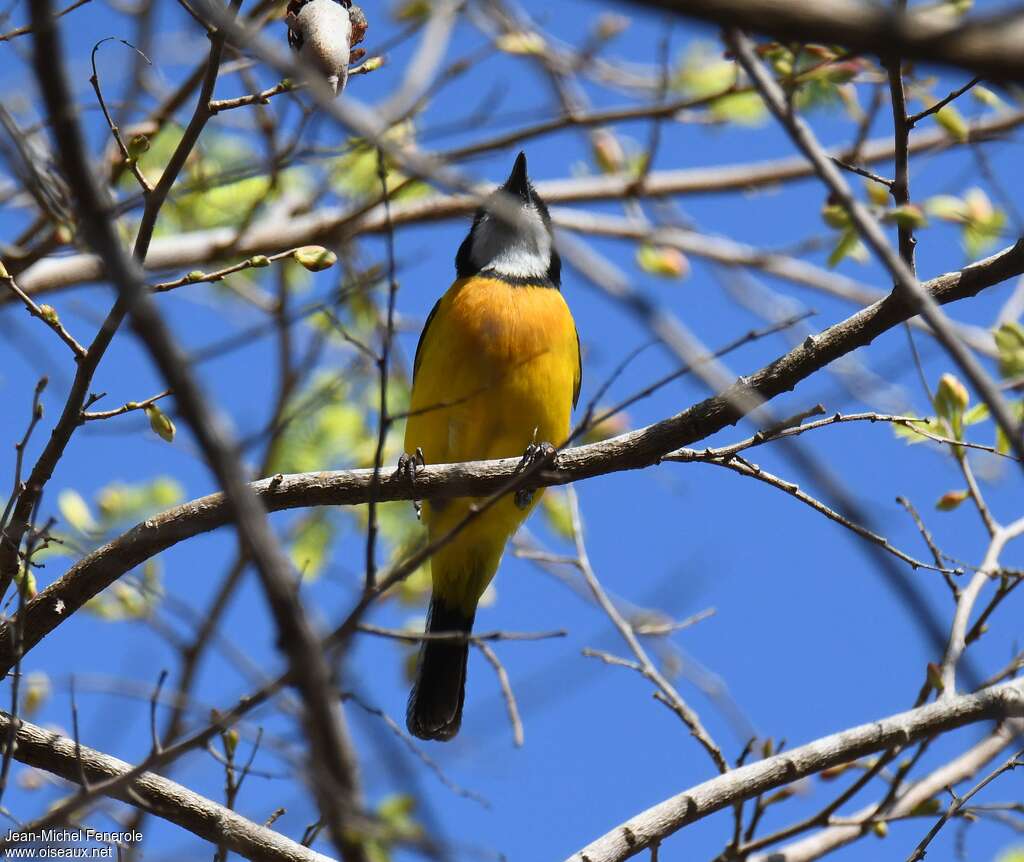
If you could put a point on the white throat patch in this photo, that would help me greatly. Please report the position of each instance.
(516, 252)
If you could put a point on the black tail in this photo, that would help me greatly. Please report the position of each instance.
(435, 704)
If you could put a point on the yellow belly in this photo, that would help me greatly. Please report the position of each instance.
(497, 370)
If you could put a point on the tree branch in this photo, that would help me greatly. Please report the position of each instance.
(871, 233)
(637, 449)
(332, 763)
(200, 247)
(62, 756)
(661, 820)
(826, 840)
(989, 46)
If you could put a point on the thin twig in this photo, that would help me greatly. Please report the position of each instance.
(383, 370)
(128, 407)
(646, 666)
(24, 31)
(131, 161)
(959, 801)
(45, 313)
(506, 691)
(873, 235)
(914, 119)
(745, 468)
(930, 542)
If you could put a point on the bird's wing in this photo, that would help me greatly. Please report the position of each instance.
(579, 371)
(423, 336)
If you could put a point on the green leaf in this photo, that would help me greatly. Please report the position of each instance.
(229, 738)
(355, 174)
(557, 512)
(988, 97)
(906, 215)
(849, 245)
(953, 122)
(1009, 340)
(411, 10)
(607, 151)
(978, 413)
(947, 208)
(980, 237)
(161, 423)
(1002, 441)
(76, 511)
(37, 690)
(877, 193)
(129, 599)
(744, 109)
(908, 433)
(309, 549)
(119, 502)
(395, 810)
(951, 400)
(703, 71)
(835, 216)
(984, 223)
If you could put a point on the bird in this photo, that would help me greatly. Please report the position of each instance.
(496, 374)
(324, 34)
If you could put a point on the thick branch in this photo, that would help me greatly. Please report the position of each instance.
(665, 818)
(332, 763)
(201, 247)
(637, 449)
(989, 46)
(824, 841)
(200, 816)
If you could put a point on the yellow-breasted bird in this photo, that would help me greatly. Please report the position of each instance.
(497, 372)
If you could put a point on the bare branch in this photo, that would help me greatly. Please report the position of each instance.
(824, 841)
(746, 468)
(661, 820)
(45, 313)
(172, 802)
(872, 234)
(640, 448)
(959, 801)
(989, 46)
(201, 247)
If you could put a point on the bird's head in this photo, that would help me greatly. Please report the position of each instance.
(321, 33)
(521, 249)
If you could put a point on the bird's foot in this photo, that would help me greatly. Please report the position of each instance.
(408, 467)
(357, 17)
(536, 453)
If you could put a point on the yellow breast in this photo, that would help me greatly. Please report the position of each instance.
(498, 369)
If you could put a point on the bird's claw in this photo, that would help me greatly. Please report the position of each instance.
(408, 467)
(536, 453)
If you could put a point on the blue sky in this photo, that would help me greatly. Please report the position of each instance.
(806, 634)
